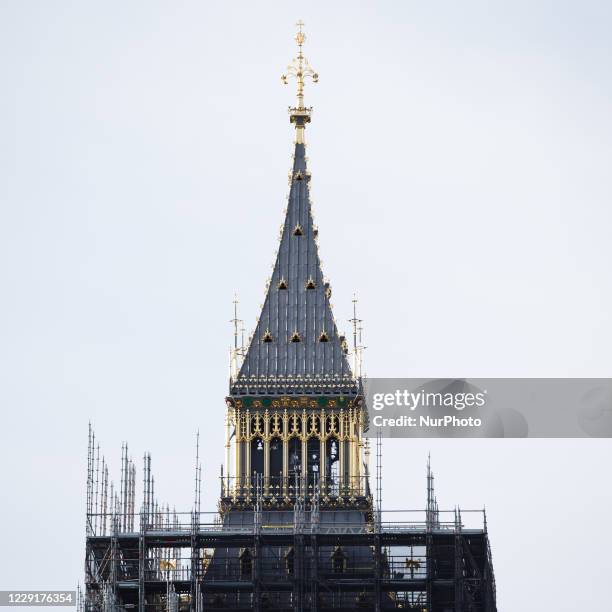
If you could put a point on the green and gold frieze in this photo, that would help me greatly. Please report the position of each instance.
(305, 401)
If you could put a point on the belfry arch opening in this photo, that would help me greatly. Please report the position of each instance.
(332, 474)
(314, 460)
(257, 458)
(276, 462)
(295, 460)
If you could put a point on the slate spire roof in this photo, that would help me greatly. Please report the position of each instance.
(296, 347)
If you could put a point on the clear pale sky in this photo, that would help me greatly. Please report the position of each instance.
(461, 157)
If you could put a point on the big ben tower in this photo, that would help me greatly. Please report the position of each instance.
(296, 528)
(294, 405)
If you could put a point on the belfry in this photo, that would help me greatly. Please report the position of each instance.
(297, 527)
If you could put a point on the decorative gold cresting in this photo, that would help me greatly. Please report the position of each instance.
(301, 70)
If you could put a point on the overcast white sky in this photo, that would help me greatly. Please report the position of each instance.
(461, 156)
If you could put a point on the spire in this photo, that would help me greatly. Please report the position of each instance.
(300, 69)
(431, 511)
(296, 346)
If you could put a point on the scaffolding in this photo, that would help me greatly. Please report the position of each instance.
(309, 558)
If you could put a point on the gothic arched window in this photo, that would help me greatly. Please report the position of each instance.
(314, 456)
(246, 564)
(290, 561)
(338, 561)
(333, 466)
(276, 462)
(257, 457)
(295, 461)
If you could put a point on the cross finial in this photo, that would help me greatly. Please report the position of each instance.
(301, 70)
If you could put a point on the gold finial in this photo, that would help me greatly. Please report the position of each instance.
(300, 37)
(301, 70)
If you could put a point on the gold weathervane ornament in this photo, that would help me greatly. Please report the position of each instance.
(301, 70)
